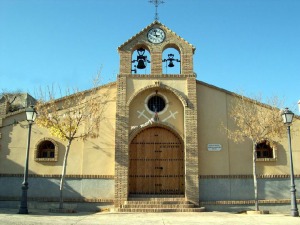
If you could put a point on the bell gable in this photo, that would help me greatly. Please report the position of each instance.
(155, 38)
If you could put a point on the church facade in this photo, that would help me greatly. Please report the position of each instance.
(161, 139)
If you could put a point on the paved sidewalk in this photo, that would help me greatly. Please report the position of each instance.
(9, 216)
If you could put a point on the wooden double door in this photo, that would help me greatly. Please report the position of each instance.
(156, 163)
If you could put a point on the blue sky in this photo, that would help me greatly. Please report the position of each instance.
(241, 45)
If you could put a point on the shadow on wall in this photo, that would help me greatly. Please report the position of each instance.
(121, 161)
(105, 140)
(43, 188)
(6, 134)
(46, 187)
(39, 187)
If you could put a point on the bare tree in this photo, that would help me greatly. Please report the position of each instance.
(257, 122)
(76, 116)
(9, 98)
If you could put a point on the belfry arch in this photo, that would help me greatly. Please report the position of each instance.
(141, 59)
(171, 59)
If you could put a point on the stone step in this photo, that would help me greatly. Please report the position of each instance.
(153, 210)
(148, 200)
(159, 206)
(155, 202)
(154, 196)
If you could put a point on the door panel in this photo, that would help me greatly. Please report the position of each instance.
(156, 163)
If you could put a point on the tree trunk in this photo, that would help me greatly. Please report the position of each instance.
(63, 174)
(255, 177)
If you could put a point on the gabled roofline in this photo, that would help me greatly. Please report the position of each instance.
(237, 95)
(156, 22)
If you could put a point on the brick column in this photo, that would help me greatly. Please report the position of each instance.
(156, 62)
(125, 62)
(191, 143)
(121, 152)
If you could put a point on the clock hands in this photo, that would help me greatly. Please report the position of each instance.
(156, 35)
(152, 35)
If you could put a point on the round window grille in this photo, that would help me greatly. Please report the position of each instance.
(156, 103)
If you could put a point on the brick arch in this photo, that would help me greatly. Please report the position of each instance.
(141, 45)
(166, 126)
(37, 150)
(176, 46)
(163, 87)
(178, 56)
(186, 52)
(148, 54)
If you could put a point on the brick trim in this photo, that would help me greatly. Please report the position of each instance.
(159, 84)
(36, 151)
(248, 202)
(43, 199)
(248, 176)
(164, 125)
(147, 76)
(155, 24)
(112, 177)
(76, 176)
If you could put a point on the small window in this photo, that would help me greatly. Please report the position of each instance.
(265, 151)
(156, 103)
(46, 150)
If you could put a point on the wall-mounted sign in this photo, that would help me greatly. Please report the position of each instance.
(214, 147)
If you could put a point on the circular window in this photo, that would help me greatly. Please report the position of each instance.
(156, 103)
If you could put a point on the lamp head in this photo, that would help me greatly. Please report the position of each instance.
(30, 114)
(287, 116)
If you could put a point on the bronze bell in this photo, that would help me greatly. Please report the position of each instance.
(171, 64)
(141, 64)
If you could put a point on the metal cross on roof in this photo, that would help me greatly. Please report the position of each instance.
(156, 4)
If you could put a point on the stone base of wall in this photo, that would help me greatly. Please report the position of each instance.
(236, 193)
(76, 206)
(284, 208)
(92, 194)
(47, 189)
(238, 189)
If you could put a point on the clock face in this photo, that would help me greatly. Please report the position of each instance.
(156, 35)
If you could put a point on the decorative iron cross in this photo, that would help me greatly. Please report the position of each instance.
(156, 3)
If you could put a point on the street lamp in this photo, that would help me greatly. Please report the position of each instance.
(30, 116)
(287, 117)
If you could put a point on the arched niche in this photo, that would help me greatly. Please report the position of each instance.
(140, 60)
(171, 59)
(171, 115)
(46, 150)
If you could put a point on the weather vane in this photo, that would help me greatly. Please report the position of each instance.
(156, 4)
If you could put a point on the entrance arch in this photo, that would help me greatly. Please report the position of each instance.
(156, 163)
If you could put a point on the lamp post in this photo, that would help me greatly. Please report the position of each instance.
(287, 117)
(30, 116)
